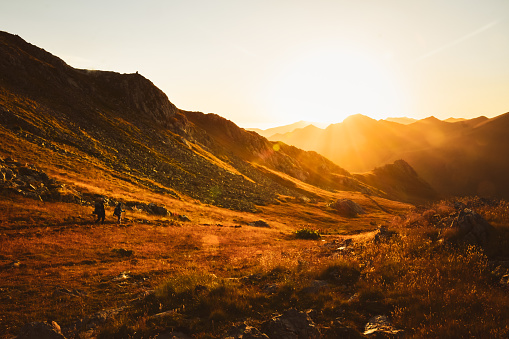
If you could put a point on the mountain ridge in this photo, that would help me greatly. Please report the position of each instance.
(124, 123)
(431, 146)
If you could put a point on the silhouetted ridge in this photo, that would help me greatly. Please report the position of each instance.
(29, 70)
(123, 123)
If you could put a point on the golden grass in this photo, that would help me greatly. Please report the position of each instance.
(213, 273)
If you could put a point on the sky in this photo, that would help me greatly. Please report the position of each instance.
(266, 63)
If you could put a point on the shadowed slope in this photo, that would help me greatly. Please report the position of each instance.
(124, 124)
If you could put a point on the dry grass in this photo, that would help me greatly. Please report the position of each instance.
(56, 264)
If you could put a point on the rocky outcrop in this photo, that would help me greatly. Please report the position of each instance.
(292, 324)
(470, 228)
(347, 208)
(27, 180)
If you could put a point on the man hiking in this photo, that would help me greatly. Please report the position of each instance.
(99, 211)
(118, 211)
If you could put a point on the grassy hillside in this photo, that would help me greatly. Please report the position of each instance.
(151, 274)
(224, 230)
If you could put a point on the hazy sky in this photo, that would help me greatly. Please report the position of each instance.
(265, 63)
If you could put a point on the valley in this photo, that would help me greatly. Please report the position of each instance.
(225, 233)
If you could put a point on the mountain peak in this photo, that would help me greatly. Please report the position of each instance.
(358, 119)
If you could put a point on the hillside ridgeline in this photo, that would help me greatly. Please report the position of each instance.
(51, 114)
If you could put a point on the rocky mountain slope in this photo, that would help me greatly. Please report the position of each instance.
(124, 124)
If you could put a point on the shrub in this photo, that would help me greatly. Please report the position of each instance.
(306, 233)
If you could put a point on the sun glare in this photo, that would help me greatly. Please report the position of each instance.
(329, 87)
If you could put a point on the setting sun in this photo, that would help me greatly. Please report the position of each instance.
(263, 169)
(328, 86)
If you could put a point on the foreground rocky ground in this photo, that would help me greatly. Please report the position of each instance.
(414, 273)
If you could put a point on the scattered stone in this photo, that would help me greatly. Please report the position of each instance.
(184, 217)
(271, 288)
(380, 325)
(122, 276)
(347, 208)
(158, 210)
(162, 315)
(340, 330)
(252, 278)
(244, 331)
(16, 264)
(173, 335)
(88, 326)
(315, 287)
(41, 330)
(291, 324)
(123, 252)
(259, 223)
(382, 233)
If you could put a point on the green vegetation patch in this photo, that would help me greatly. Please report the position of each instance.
(306, 233)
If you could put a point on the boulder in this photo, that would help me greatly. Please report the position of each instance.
(244, 331)
(347, 208)
(471, 228)
(292, 324)
(157, 210)
(382, 233)
(184, 218)
(41, 330)
(340, 330)
(259, 223)
(379, 326)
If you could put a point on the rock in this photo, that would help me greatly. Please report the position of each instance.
(122, 252)
(41, 330)
(271, 288)
(380, 326)
(340, 330)
(315, 287)
(292, 324)
(157, 210)
(259, 223)
(173, 335)
(244, 331)
(382, 233)
(472, 229)
(162, 315)
(347, 208)
(184, 218)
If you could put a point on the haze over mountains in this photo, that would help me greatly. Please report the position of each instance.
(456, 156)
(124, 124)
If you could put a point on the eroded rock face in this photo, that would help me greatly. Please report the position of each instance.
(472, 228)
(292, 324)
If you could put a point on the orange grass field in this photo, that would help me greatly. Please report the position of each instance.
(56, 264)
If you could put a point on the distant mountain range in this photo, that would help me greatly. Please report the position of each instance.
(74, 123)
(269, 132)
(456, 156)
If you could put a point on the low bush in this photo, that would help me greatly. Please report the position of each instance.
(306, 233)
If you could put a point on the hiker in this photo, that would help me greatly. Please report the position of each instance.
(99, 210)
(118, 211)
